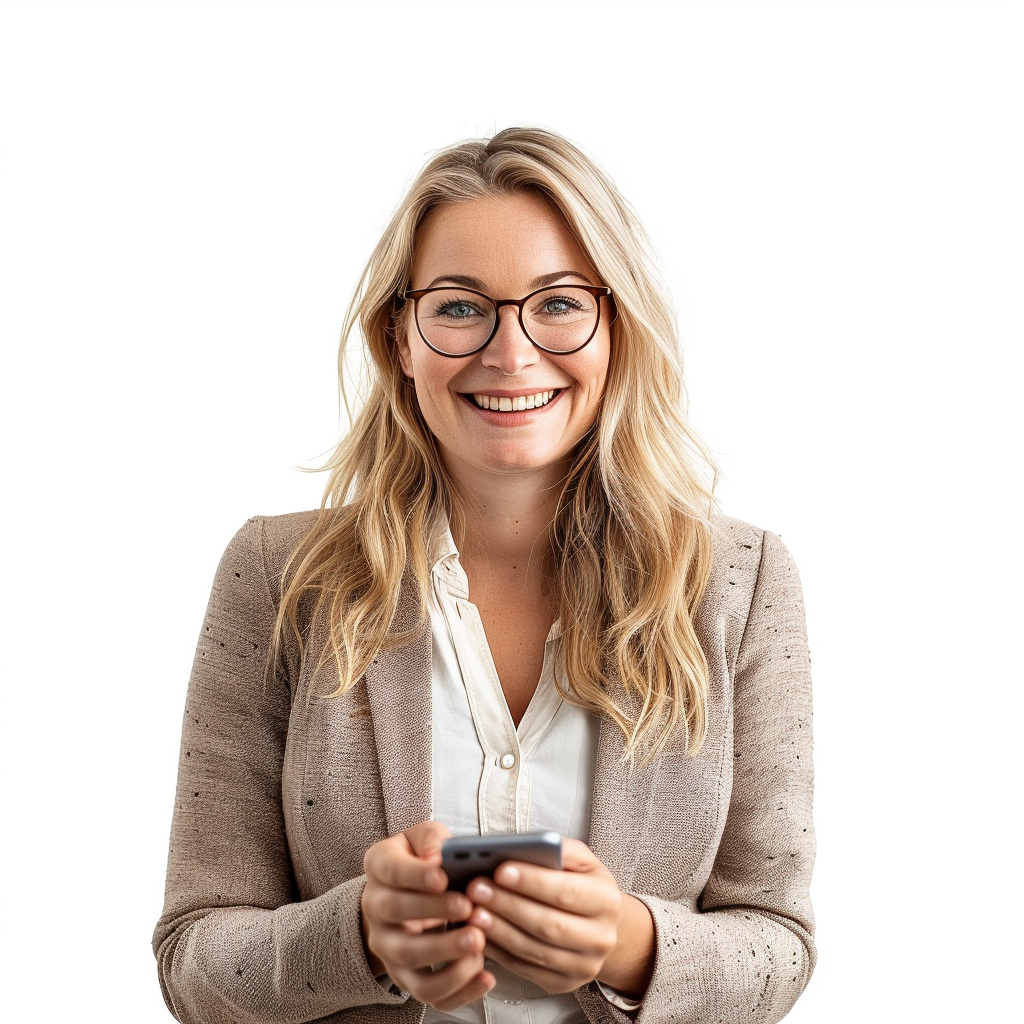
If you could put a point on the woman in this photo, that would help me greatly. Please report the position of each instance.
(515, 610)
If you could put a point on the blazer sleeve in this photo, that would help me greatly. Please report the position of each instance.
(234, 943)
(747, 951)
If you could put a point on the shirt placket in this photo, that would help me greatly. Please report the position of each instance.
(504, 790)
(497, 794)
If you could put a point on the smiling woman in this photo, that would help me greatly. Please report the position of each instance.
(505, 406)
(515, 610)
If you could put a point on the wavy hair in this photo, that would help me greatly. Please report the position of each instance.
(631, 537)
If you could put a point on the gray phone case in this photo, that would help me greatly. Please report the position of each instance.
(467, 857)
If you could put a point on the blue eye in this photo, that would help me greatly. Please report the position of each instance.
(456, 310)
(559, 305)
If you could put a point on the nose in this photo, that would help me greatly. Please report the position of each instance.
(510, 350)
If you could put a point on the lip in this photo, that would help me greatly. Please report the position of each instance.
(517, 393)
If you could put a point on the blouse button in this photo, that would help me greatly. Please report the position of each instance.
(508, 760)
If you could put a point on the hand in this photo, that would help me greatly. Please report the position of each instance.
(404, 906)
(563, 929)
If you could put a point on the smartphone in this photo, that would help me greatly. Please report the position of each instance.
(464, 858)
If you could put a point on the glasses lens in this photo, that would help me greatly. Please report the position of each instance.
(562, 318)
(455, 320)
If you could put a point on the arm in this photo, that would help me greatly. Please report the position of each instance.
(233, 943)
(747, 952)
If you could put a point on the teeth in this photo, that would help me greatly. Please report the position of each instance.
(519, 404)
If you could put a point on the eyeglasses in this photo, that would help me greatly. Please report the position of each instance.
(459, 322)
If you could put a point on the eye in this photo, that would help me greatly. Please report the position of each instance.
(560, 304)
(454, 319)
(452, 307)
(456, 310)
(557, 305)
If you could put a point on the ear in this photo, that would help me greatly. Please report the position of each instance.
(399, 331)
(405, 355)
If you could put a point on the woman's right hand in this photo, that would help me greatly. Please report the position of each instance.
(404, 909)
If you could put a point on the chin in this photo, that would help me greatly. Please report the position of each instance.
(507, 458)
(525, 462)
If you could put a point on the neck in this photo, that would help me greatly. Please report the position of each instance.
(504, 531)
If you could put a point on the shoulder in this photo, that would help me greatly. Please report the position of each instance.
(271, 540)
(737, 541)
(734, 535)
(743, 555)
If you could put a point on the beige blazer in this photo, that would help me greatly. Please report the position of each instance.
(280, 792)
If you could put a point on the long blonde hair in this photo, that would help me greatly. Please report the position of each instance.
(631, 537)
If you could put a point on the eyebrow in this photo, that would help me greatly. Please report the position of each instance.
(478, 285)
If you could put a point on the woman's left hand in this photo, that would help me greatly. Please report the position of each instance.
(563, 929)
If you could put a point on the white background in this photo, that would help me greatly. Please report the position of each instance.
(189, 191)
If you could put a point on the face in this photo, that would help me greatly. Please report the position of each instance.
(505, 247)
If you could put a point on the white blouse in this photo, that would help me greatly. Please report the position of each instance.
(489, 776)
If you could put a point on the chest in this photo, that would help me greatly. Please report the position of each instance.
(359, 767)
(511, 612)
(515, 631)
(493, 772)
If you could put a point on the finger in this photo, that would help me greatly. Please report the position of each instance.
(478, 986)
(417, 926)
(426, 838)
(547, 937)
(577, 860)
(393, 863)
(452, 986)
(577, 856)
(550, 980)
(590, 893)
(400, 950)
(393, 906)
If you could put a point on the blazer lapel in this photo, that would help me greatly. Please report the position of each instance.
(620, 810)
(398, 689)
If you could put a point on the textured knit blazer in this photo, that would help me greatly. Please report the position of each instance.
(281, 791)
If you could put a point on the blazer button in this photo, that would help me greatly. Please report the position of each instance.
(508, 760)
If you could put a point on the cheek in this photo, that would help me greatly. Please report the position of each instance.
(596, 374)
(432, 379)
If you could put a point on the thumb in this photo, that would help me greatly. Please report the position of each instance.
(577, 856)
(426, 839)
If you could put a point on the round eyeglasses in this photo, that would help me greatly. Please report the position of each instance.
(460, 321)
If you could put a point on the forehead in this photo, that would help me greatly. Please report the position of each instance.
(502, 239)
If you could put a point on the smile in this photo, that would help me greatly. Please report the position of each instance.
(523, 402)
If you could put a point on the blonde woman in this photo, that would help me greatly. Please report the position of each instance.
(515, 610)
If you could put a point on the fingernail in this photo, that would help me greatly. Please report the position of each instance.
(467, 941)
(509, 875)
(482, 891)
(481, 918)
